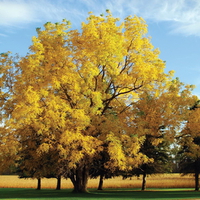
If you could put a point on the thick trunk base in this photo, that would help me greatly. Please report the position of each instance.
(80, 187)
(80, 180)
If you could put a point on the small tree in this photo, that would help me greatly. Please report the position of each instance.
(157, 116)
(189, 139)
(9, 141)
(159, 154)
(34, 161)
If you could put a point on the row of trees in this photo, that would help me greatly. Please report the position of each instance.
(90, 103)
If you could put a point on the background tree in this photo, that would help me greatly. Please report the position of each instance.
(8, 151)
(160, 155)
(9, 142)
(189, 139)
(34, 162)
(158, 114)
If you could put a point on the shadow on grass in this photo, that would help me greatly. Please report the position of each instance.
(12, 193)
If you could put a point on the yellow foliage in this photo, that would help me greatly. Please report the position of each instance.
(75, 91)
(117, 156)
(190, 134)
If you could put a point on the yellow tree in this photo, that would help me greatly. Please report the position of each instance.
(8, 150)
(73, 89)
(189, 141)
(165, 107)
(158, 114)
(8, 140)
(34, 162)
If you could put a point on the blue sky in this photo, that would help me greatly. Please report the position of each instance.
(174, 26)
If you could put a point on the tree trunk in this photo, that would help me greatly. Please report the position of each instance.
(80, 179)
(100, 187)
(196, 181)
(38, 184)
(144, 181)
(58, 187)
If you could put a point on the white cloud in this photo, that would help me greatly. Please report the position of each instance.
(183, 15)
(18, 12)
(14, 12)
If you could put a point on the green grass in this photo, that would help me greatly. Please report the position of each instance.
(107, 194)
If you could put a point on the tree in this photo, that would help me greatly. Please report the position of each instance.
(8, 150)
(157, 115)
(37, 163)
(159, 154)
(9, 143)
(73, 89)
(189, 140)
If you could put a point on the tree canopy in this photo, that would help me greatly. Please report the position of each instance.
(190, 145)
(75, 94)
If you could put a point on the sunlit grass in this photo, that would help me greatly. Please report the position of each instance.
(154, 181)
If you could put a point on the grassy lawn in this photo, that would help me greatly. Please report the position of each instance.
(180, 188)
(107, 194)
